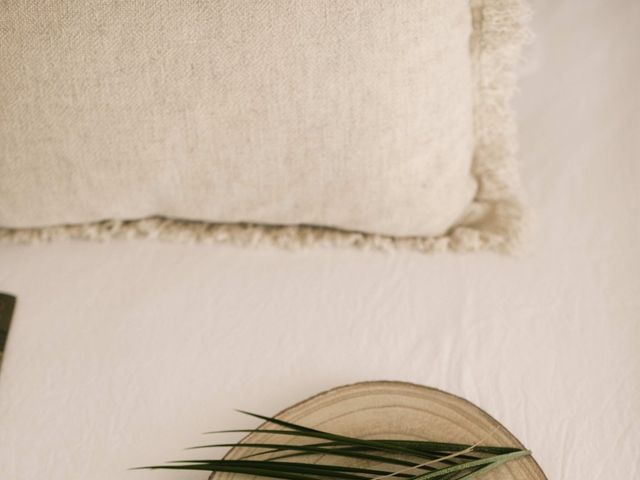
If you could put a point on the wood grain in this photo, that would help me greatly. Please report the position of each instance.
(402, 411)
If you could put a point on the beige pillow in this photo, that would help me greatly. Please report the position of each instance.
(366, 122)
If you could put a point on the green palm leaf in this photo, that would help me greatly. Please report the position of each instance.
(413, 459)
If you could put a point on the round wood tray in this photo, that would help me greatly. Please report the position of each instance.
(399, 410)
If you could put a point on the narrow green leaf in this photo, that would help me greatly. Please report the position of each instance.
(373, 444)
(311, 449)
(499, 459)
(247, 471)
(291, 466)
(418, 447)
(310, 432)
(452, 447)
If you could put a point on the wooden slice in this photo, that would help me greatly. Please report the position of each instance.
(396, 410)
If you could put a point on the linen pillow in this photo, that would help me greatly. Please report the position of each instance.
(365, 122)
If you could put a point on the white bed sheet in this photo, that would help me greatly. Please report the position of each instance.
(121, 354)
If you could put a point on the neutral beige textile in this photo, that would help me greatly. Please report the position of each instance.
(547, 344)
(382, 117)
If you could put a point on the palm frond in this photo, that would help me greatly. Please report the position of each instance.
(374, 459)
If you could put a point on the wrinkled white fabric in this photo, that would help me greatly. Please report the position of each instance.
(122, 353)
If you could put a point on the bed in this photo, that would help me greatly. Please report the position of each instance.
(120, 354)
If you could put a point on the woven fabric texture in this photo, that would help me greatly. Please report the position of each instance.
(374, 123)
